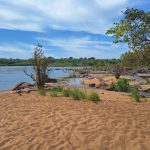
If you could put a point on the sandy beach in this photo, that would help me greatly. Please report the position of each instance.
(34, 122)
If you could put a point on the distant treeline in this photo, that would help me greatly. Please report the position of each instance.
(15, 62)
(62, 62)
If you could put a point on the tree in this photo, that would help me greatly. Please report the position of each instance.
(134, 29)
(131, 58)
(40, 64)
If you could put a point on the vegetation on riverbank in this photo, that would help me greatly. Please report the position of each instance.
(62, 62)
(122, 85)
(74, 93)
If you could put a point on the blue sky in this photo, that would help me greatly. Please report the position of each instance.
(65, 28)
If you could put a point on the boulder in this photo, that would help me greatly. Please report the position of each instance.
(145, 88)
(98, 82)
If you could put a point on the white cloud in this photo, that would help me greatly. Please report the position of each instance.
(73, 46)
(16, 50)
(85, 47)
(107, 4)
(93, 16)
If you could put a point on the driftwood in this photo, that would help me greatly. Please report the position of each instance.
(22, 85)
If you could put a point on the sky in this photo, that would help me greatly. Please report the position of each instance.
(65, 28)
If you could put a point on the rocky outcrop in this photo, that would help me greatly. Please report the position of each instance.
(144, 70)
(99, 82)
(143, 75)
(144, 88)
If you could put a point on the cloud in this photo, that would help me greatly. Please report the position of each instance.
(85, 47)
(16, 50)
(61, 47)
(57, 17)
(93, 16)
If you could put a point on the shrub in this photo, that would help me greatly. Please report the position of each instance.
(42, 91)
(54, 94)
(118, 71)
(94, 97)
(77, 94)
(113, 87)
(57, 89)
(135, 94)
(122, 85)
(67, 92)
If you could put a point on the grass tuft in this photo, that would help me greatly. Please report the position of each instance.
(122, 85)
(77, 94)
(135, 94)
(94, 97)
(53, 94)
(56, 89)
(42, 91)
(67, 92)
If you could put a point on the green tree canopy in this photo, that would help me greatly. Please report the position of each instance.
(134, 29)
(136, 58)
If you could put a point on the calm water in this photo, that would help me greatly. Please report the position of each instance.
(11, 75)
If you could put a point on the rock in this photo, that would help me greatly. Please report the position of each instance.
(108, 81)
(135, 84)
(143, 70)
(50, 80)
(52, 85)
(90, 81)
(84, 76)
(98, 85)
(57, 68)
(22, 85)
(145, 88)
(127, 77)
(86, 71)
(144, 75)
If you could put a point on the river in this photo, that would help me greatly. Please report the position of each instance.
(11, 75)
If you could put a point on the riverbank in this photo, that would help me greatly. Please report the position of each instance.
(31, 121)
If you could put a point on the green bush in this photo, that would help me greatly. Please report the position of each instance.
(94, 97)
(42, 91)
(67, 92)
(53, 94)
(56, 89)
(77, 94)
(135, 94)
(122, 85)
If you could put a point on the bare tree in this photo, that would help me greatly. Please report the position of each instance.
(40, 64)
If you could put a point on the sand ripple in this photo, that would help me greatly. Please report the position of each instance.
(32, 122)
